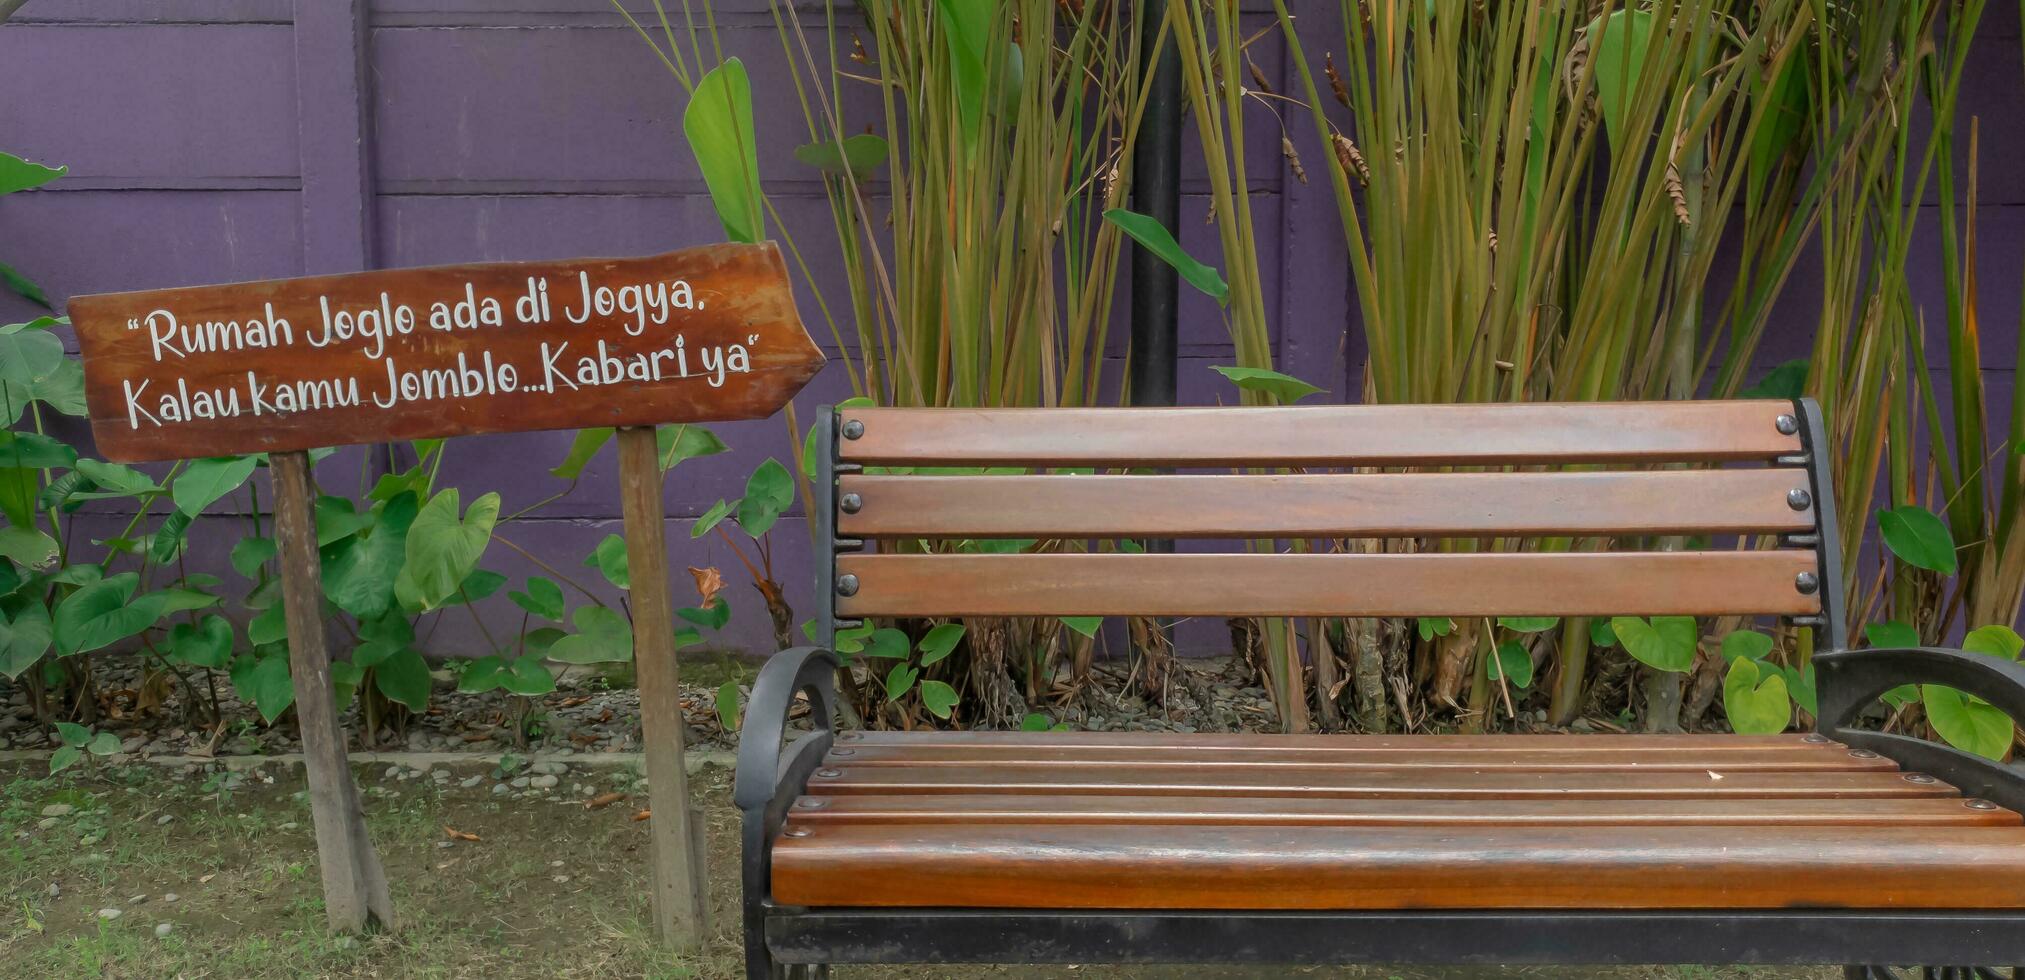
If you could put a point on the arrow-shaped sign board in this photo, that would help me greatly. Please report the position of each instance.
(705, 334)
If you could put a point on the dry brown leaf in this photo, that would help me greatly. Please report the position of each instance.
(709, 582)
(603, 800)
(455, 834)
(639, 815)
(207, 878)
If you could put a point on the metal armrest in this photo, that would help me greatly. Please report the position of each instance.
(810, 670)
(1849, 680)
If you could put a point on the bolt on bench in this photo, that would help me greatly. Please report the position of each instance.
(1846, 846)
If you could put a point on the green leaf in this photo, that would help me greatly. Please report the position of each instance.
(359, 573)
(853, 640)
(609, 558)
(718, 123)
(1891, 636)
(888, 643)
(442, 548)
(602, 636)
(24, 637)
(204, 481)
(113, 479)
(482, 675)
(727, 705)
(27, 546)
(1618, 43)
(1086, 625)
(344, 682)
(1755, 699)
(337, 518)
(103, 613)
(528, 677)
(72, 734)
(17, 174)
(103, 744)
(1998, 641)
(860, 155)
(712, 617)
(63, 758)
(1900, 696)
(1284, 389)
(404, 677)
(768, 492)
(1154, 237)
(676, 443)
(1918, 538)
(1746, 644)
(1513, 664)
(965, 26)
(271, 626)
(1785, 119)
(582, 450)
(29, 356)
(22, 286)
(1800, 687)
(33, 450)
(207, 643)
(269, 685)
(248, 554)
(1967, 723)
(939, 643)
(1787, 381)
(711, 518)
(1035, 722)
(938, 698)
(900, 680)
(1666, 643)
(543, 598)
(1529, 624)
(167, 540)
(1430, 627)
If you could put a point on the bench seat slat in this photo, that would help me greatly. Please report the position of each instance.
(1420, 867)
(1686, 583)
(1652, 502)
(1798, 758)
(1491, 781)
(1196, 741)
(984, 808)
(1321, 435)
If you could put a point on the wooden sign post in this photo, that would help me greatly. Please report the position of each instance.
(281, 367)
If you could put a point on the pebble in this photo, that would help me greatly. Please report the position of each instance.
(137, 899)
(55, 890)
(133, 743)
(58, 810)
(520, 782)
(109, 914)
(544, 781)
(560, 879)
(162, 930)
(290, 825)
(499, 789)
(472, 782)
(171, 897)
(46, 822)
(393, 772)
(446, 844)
(165, 819)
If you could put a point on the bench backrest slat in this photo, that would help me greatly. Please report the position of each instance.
(1605, 481)
(1730, 501)
(1328, 435)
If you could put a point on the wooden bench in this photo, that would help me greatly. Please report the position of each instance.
(1846, 846)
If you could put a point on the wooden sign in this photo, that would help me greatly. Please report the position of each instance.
(702, 335)
(705, 334)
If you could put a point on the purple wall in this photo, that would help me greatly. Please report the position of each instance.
(222, 140)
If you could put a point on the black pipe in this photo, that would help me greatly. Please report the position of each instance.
(1156, 192)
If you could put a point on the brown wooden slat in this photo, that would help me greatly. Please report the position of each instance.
(1296, 867)
(1192, 741)
(932, 808)
(1332, 505)
(1490, 782)
(1684, 583)
(1364, 435)
(1594, 758)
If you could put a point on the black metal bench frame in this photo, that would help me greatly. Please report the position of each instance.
(796, 942)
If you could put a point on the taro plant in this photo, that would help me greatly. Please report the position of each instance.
(78, 743)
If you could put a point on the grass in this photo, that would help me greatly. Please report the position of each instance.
(550, 890)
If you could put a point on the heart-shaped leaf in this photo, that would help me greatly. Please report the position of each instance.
(443, 548)
(481, 675)
(940, 642)
(609, 558)
(1891, 636)
(900, 680)
(404, 677)
(1529, 624)
(888, 643)
(710, 519)
(543, 598)
(25, 635)
(2001, 642)
(359, 572)
(710, 617)
(103, 613)
(688, 441)
(1755, 699)
(1967, 723)
(27, 546)
(727, 705)
(938, 698)
(1666, 643)
(207, 643)
(1747, 645)
(269, 687)
(527, 677)
(602, 636)
(248, 554)
(769, 492)
(1512, 664)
